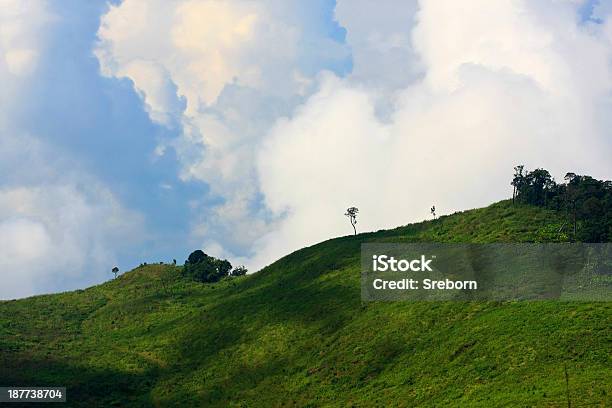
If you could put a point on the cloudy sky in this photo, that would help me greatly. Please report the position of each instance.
(139, 130)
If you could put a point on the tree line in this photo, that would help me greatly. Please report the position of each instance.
(586, 201)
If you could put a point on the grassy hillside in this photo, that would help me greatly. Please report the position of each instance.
(297, 334)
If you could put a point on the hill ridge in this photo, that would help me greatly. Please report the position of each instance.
(297, 333)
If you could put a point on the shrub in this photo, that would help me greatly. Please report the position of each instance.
(205, 268)
(239, 271)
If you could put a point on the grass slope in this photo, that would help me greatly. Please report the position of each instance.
(297, 334)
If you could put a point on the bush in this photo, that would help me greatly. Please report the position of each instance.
(204, 268)
(239, 271)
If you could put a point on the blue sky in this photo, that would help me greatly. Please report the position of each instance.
(100, 122)
(138, 131)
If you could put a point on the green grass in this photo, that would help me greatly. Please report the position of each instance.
(297, 334)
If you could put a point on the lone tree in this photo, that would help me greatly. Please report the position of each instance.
(352, 214)
(517, 181)
(115, 270)
(433, 211)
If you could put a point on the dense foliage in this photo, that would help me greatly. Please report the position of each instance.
(585, 201)
(205, 268)
(239, 271)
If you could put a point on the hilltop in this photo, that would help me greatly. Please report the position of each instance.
(297, 333)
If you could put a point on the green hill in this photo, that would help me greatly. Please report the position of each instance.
(297, 334)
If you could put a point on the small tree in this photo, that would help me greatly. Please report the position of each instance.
(351, 213)
(517, 181)
(115, 270)
(433, 211)
(571, 196)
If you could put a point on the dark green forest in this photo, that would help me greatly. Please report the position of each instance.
(585, 201)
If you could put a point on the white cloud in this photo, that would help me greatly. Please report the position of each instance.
(504, 83)
(59, 227)
(237, 65)
(22, 241)
(202, 46)
(156, 88)
(444, 98)
(59, 236)
(21, 24)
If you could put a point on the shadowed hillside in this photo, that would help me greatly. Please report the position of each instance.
(297, 334)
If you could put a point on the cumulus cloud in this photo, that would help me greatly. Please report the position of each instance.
(224, 71)
(59, 227)
(443, 99)
(503, 83)
(202, 47)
